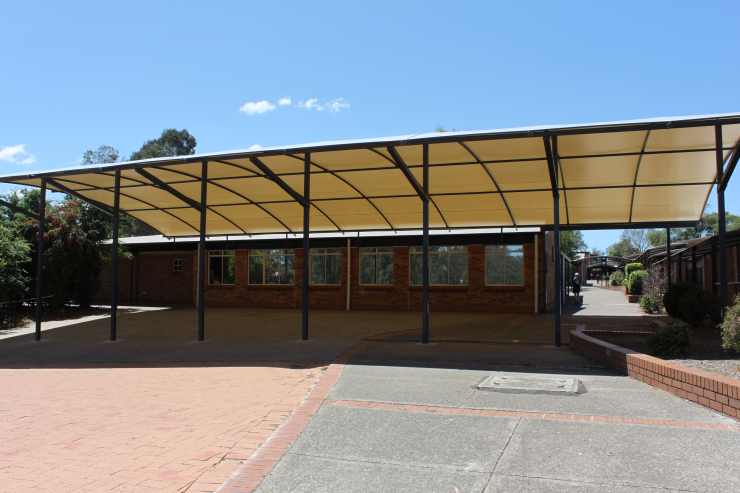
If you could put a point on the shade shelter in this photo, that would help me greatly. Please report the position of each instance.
(631, 174)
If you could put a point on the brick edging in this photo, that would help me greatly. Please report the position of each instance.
(717, 392)
(529, 415)
(251, 473)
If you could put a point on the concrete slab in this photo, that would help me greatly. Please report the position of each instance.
(420, 439)
(529, 383)
(306, 474)
(628, 455)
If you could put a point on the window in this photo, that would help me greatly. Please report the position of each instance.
(271, 266)
(376, 265)
(448, 265)
(326, 266)
(505, 265)
(177, 265)
(222, 269)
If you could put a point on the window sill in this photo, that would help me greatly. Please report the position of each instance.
(504, 288)
(270, 286)
(371, 287)
(327, 287)
(438, 287)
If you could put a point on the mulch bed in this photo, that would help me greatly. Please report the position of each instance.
(706, 350)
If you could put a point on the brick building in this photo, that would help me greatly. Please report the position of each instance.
(491, 272)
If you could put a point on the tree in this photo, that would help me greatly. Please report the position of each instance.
(14, 256)
(104, 154)
(622, 248)
(171, 143)
(572, 242)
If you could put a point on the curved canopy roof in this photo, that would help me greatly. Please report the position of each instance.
(618, 174)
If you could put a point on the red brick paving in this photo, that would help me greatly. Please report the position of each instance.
(159, 428)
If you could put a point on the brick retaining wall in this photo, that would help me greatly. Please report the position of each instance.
(709, 389)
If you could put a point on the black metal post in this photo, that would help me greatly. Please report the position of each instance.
(679, 268)
(114, 259)
(723, 295)
(306, 251)
(40, 259)
(668, 256)
(137, 278)
(557, 260)
(131, 284)
(714, 267)
(544, 270)
(425, 249)
(202, 252)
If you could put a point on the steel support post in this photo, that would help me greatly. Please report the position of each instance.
(679, 273)
(668, 256)
(693, 266)
(723, 295)
(425, 248)
(131, 284)
(114, 257)
(306, 251)
(138, 260)
(202, 252)
(557, 260)
(40, 259)
(714, 267)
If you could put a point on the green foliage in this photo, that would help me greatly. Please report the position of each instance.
(731, 327)
(617, 278)
(651, 304)
(14, 254)
(688, 301)
(635, 281)
(572, 242)
(634, 267)
(104, 155)
(172, 142)
(672, 341)
(622, 248)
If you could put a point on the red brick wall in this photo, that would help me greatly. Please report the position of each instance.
(709, 389)
(163, 286)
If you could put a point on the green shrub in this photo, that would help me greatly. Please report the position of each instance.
(630, 268)
(672, 340)
(634, 281)
(651, 304)
(731, 327)
(617, 278)
(691, 303)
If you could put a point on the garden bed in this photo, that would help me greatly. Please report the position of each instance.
(706, 350)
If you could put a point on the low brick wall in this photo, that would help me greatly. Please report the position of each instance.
(709, 389)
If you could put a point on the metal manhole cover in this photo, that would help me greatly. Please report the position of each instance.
(529, 383)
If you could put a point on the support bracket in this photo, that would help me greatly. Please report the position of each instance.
(101, 207)
(423, 195)
(20, 210)
(167, 188)
(272, 176)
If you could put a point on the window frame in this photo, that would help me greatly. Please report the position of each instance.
(221, 254)
(447, 252)
(176, 265)
(503, 252)
(313, 253)
(375, 254)
(264, 255)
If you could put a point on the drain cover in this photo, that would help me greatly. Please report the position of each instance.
(527, 382)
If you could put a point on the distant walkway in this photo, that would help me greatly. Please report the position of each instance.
(601, 302)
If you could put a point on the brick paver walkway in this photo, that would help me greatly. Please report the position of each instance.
(140, 429)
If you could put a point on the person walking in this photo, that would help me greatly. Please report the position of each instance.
(577, 288)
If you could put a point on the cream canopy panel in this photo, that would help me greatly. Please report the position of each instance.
(680, 203)
(605, 206)
(599, 172)
(627, 173)
(470, 211)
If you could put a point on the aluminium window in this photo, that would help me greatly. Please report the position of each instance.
(505, 265)
(177, 265)
(326, 266)
(222, 267)
(271, 266)
(448, 265)
(376, 265)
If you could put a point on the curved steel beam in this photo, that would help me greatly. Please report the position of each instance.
(490, 175)
(637, 170)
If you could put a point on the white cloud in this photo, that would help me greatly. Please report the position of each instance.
(13, 153)
(336, 105)
(257, 108)
(311, 103)
(255, 147)
(284, 101)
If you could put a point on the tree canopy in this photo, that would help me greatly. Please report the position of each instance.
(572, 242)
(172, 142)
(104, 154)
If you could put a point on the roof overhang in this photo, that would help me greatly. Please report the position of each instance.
(639, 173)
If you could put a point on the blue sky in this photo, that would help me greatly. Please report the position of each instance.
(82, 74)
